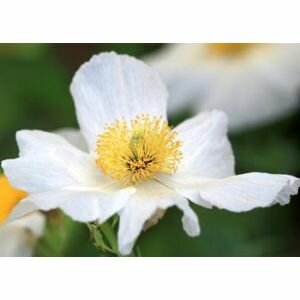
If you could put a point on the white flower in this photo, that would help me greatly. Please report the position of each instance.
(17, 235)
(17, 238)
(136, 165)
(251, 83)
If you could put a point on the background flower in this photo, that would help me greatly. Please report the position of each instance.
(18, 238)
(252, 83)
(18, 235)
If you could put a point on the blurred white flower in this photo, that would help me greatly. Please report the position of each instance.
(252, 83)
(136, 165)
(17, 235)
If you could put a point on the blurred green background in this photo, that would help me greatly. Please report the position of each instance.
(34, 94)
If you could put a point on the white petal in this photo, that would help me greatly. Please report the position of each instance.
(14, 242)
(16, 237)
(23, 208)
(240, 96)
(189, 220)
(49, 162)
(111, 87)
(206, 148)
(35, 222)
(74, 137)
(150, 197)
(245, 192)
(186, 185)
(84, 205)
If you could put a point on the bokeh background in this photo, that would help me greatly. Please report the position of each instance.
(34, 94)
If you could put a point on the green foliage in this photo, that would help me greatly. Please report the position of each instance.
(64, 237)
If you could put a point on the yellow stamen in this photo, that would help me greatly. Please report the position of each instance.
(9, 198)
(135, 152)
(230, 49)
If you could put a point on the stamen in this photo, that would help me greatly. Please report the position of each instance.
(229, 49)
(135, 152)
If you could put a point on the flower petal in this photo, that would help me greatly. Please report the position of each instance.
(248, 191)
(23, 208)
(84, 205)
(111, 87)
(74, 137)
(150, 197)
(14, 242)
(240, 96)
(16, 237)
(35, 222)
(243, 192)
(206, 149)
(189, 220)
(48, 162)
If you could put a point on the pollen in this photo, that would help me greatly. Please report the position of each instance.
(136, 151)
(9, 198)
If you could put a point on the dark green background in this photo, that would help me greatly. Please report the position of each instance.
(34, 94)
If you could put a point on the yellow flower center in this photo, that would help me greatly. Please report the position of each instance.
(135, 152)
(9, 198)
(230, 49)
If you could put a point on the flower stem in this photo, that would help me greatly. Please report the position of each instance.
(103, 237)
